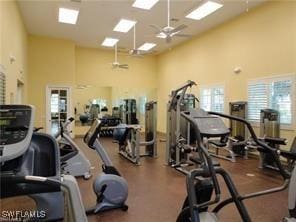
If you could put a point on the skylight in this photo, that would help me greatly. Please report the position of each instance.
(124, 25)
(145, 4)
(109, 42)
(68, 16)
(146, 46)
(204, 10)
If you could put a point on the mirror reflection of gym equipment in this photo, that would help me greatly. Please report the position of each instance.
(128, 136)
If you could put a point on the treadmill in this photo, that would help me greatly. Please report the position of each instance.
(30, 165)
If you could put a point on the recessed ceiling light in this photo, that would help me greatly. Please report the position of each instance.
(145, 4)
(204, 10)
(68, 16)
(124, 25)
(109, 42)
(146, 46)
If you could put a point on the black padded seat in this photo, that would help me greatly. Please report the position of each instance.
(217, 143)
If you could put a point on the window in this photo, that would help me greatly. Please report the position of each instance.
(212, 98)
(2, 86)
(54, 103)
(101, 102)
(275, 93)
(142, 103)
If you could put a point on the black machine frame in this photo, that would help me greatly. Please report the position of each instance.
(210, 170)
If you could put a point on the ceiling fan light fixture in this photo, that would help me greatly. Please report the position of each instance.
(204, 10)
(124, 25)
(147, 46)
(109, 42)
(68, 16)
(144, 4)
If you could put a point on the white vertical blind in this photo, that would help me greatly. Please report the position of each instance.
(281, 99)
(275, 93)
(257, 100)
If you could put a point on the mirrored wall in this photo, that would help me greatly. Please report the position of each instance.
(91, 101)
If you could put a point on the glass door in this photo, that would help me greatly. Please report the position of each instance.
(58, 107)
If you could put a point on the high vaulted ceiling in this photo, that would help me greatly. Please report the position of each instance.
(98, 18)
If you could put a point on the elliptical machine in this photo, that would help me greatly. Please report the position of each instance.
(73, 160)
(110, 187)
(196, 209)
(30, 165)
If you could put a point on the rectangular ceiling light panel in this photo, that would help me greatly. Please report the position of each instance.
(124, 25)
(146, 46)
(109, 42)
(145, 4)
(204, 10)
(68, 16)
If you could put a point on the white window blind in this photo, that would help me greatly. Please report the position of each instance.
(257, 100)
(281, 99)
(274, 93)
(212, 98)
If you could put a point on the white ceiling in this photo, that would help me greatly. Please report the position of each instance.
(98, 18)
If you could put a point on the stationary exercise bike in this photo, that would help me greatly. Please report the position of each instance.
(110, 187)
(202, 182)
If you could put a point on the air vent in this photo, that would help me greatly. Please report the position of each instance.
(78, 1)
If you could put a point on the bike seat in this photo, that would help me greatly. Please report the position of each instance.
(208, 217)
(217, 143)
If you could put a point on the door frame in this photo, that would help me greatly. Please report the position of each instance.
(47, 104)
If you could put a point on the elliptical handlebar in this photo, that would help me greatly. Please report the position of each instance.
(267, 148)
(63, 126)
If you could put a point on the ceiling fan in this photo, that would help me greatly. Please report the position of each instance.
(168, 31)
(116, 64)
(135, 52)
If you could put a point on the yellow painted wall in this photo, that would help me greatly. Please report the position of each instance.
(93, 66)
(50, 62)
(262, 42)
(60, 62)
(13, 42)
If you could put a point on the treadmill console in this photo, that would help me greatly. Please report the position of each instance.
(16, 128)
(92, 134)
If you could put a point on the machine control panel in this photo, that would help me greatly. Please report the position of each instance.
(16, 127)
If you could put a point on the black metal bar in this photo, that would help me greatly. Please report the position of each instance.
(236, 197)
(271, 150)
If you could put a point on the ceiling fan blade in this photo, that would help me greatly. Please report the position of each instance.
(179, 28)
(156, 27)
(123, 66)
(183, 35)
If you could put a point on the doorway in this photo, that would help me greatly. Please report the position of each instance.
(58, 107)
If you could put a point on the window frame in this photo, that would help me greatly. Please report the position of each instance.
(211, 87)
(276, 78)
